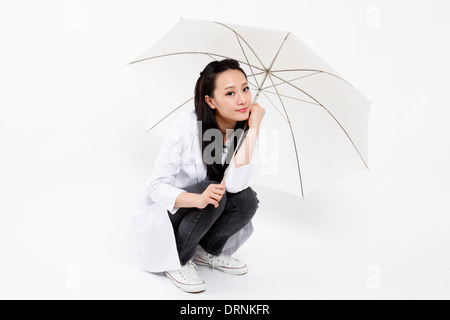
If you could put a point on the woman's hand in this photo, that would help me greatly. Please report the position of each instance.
(256, 116)
(212, 195)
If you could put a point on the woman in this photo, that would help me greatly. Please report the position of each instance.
(190, 216)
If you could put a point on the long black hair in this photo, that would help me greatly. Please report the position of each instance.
(206, 116)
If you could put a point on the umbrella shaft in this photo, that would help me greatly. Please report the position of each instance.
(257, 95)
(261, 86)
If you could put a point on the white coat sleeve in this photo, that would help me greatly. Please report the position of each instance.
(160, 186)
(238, 179)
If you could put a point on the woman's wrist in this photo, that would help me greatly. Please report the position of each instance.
(187, 200)
(195, 198)
(255, 129)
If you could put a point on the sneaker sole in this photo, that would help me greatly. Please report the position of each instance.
(233, 271)
(189, 288)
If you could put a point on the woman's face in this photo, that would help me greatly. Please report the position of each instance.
(232, 98)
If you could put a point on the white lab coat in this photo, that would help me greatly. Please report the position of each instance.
(179, 164)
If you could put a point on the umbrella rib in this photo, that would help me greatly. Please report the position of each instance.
(212, 57)
(167, 115)
(269, 71)
(273, 104)
(293, 140)
(337, 121)
(248, 62)
(313, 70)
(284, 81)
(278, 53)
(260, 73)
(293, 98)
(252, 84)
(190, 52)
(238, 35)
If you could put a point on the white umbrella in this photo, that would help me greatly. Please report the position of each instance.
(315, 127)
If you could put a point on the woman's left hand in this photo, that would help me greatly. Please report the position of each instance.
(256, 116)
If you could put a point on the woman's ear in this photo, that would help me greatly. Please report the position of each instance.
(210, 102)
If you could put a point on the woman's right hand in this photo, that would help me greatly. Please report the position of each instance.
(212, 195)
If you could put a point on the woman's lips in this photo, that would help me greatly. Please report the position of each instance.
(243, 110)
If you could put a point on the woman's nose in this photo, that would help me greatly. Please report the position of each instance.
(241, 99)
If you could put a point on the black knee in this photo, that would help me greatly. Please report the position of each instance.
(253, 199)
(249, 202)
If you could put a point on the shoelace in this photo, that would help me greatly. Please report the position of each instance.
(222, 259)
(189, 269)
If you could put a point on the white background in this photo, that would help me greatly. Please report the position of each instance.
(74, 154)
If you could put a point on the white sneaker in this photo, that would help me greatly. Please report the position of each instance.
(187, 278)
(223, 262)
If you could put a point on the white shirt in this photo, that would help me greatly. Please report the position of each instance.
(179, 164)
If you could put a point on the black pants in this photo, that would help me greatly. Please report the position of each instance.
(211, 227)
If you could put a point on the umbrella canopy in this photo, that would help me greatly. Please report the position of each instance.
(315, 127)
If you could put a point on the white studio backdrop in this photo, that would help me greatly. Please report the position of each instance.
(74, 153)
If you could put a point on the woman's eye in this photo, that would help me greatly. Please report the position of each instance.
(246, 89)
(230, 93)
